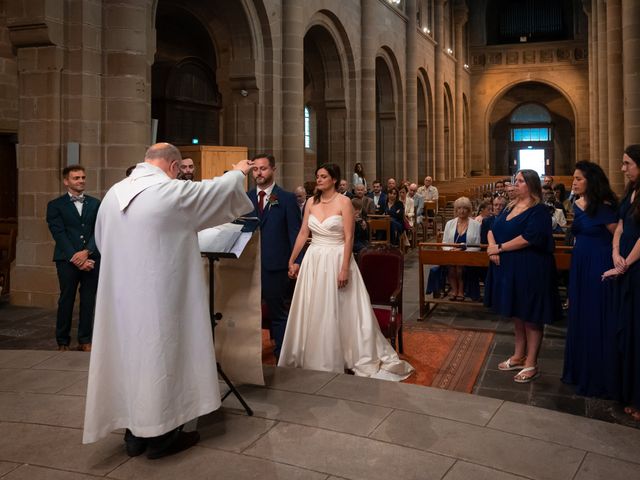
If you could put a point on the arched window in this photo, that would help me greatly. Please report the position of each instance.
(307, 127)
(530, 123)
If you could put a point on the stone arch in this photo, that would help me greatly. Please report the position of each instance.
(426, 157)
(560, 152)
(389, 115)
(328, 65)
(231, 40)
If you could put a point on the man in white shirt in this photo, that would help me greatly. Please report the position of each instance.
(418, 203)
(428, 191)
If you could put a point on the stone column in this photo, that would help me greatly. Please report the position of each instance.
(603, 118)
(439, 172)
(411, 163)
(461, 17)
(631, 70)
(292, 94)
(615, 107)
(128, 50)
(592, 42)
(368, 90)
(36, 32)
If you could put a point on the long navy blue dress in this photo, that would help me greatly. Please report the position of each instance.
(524, 285)
(589, 357)
(626, 309)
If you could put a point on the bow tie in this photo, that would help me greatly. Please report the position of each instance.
(77, 198)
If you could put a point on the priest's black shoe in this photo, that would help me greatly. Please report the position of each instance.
(171, 443)
(135, 445)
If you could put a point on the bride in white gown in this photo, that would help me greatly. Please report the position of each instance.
(331, 324)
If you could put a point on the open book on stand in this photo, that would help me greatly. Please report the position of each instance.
(229, 239)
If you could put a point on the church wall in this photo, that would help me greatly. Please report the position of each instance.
(82, 73)
(8, 78)
(562, 65)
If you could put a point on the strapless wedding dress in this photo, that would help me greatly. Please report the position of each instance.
(331, 329)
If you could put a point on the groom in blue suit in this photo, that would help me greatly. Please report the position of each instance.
(280, 222)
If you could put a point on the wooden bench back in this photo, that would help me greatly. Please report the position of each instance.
(379, 223)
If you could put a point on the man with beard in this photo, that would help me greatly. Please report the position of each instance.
(280, 222)
(187, 169)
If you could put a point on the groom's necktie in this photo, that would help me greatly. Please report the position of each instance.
(261, 194)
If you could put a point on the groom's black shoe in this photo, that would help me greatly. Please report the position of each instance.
(171, 443)
(135, 445)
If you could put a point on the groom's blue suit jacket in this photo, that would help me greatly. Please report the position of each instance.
(279, 224)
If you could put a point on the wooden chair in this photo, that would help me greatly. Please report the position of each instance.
(382, 270)
(379, 223)
(429, 222)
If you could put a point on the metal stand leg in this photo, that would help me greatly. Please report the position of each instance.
(234, 390)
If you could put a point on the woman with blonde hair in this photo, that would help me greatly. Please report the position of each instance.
(521, 283)
(465, 230)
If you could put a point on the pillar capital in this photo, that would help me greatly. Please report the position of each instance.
(35, 24)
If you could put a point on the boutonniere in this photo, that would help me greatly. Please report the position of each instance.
(273, 199)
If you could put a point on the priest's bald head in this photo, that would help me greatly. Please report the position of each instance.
(164, 156)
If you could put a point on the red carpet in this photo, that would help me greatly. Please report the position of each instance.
(443, 358)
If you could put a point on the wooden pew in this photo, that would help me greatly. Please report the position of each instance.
(431, 254)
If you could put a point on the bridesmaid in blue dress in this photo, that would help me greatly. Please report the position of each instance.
(590, 360)
(521, 282)
(626, 287)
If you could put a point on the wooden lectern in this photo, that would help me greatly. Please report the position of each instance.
(213, 160)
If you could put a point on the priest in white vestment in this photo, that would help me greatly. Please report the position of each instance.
(153, 365)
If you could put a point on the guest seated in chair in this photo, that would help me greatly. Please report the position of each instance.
(361, 232)
(498, 205)
(484, 211)
(461, 229)
(395, 209)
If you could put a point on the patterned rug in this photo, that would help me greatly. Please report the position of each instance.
(443, 357)
(446, 358)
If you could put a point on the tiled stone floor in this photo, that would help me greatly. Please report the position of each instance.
(316, 425)
(308, 425)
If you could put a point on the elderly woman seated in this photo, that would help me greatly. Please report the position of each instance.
(461, 229)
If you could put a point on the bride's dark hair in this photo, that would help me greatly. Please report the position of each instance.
(334, 172)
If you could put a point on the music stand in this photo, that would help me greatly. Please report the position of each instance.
(229, 246)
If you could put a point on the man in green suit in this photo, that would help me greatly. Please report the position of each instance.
(71, 219)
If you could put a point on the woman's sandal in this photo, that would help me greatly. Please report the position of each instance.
(507, 365)
(522, 377)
